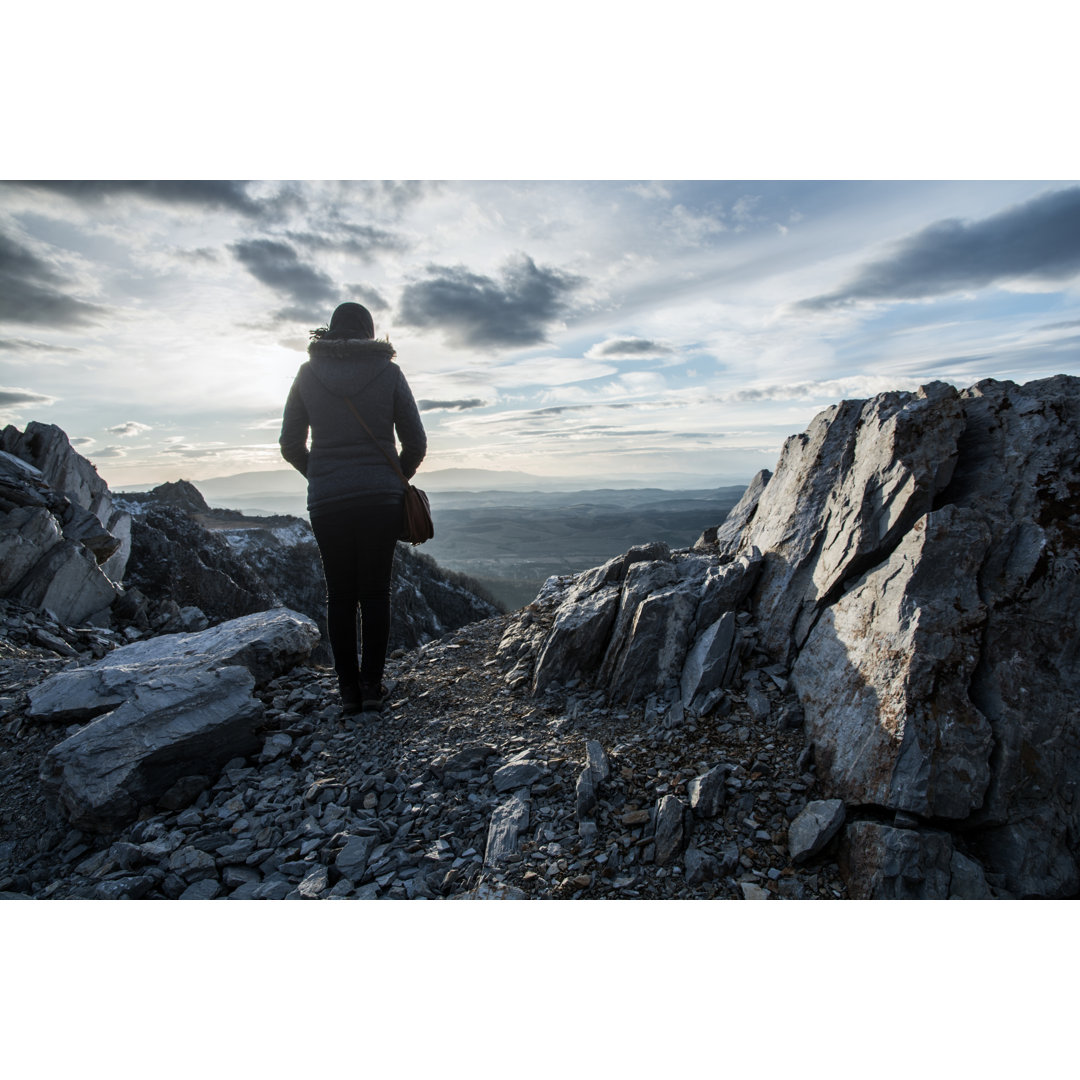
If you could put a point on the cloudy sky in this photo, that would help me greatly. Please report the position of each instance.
(644, 329)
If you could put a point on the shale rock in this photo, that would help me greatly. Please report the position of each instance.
(708, 792)
(880, 862)
(105, 773)
(265, 643)
(711, 662)
(817, 823)
(670, 829)
(64, 545)
(508, 820)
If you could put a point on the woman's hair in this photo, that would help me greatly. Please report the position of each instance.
(348, 321)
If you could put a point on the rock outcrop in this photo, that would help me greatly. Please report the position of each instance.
(64, 543)
(226, 564)
(909, 572)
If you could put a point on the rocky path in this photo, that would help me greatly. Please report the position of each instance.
(464, 788)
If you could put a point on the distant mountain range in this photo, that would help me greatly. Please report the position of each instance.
(253, 487)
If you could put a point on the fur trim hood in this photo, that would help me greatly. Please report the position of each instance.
(346, 367)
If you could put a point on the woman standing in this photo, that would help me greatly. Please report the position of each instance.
(355, 499)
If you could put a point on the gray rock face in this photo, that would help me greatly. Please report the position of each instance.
(711, 663)
(67, 581)
(884, 676)
(842, 494)
(26, 534)
(816, 824)
(657, 639)
(725, 538)
(963, 709)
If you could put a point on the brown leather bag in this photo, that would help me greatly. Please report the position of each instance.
(416, 523)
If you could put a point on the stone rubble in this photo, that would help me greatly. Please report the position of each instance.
(406, 806)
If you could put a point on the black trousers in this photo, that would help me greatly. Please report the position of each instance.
(357, 549)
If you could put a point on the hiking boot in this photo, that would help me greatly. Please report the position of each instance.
(372, 697)
(352, 701)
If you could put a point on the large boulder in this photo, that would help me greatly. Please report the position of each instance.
(174, 724)
(26, 534)
(266, 643)
(168, 707)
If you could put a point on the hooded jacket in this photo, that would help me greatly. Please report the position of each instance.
(343, 463)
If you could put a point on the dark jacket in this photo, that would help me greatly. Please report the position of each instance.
(343, 463)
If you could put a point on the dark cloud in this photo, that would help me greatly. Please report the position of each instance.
(12, 398)
(369, 296)
(475, 311)
(26, 345)
(277, 264)
(629, 347)
(199, 255)
(128, 429)
(464, 403)
(557, 410)
(196, 451)
(309, 315)
(209, 194)
(1068, 325)
(1038, 240)
(361, 240)
(403, 193)
(31, 290)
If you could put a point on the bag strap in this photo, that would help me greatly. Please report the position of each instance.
(393, 464)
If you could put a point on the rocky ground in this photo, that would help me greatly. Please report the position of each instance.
(466, 787)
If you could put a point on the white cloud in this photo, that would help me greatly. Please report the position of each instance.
(857, 386)
(549, 371)
(654, 189)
